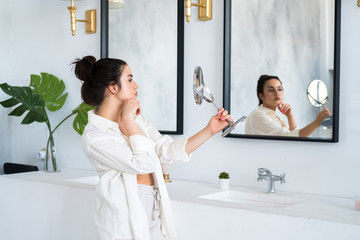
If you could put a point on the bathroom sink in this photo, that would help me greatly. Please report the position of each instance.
(274, 199)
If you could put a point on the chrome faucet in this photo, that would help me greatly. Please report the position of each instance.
(265, 174)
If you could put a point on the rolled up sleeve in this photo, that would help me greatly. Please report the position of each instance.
(170, 151)
(138, 158)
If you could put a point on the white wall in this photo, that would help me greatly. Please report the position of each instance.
(37, 38)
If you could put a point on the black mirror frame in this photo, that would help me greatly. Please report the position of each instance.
(336, 90)
(104, 53)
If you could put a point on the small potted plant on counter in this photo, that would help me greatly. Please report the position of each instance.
(224, 180)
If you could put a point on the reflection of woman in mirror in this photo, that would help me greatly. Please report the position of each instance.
(264, 121)
(127, 152)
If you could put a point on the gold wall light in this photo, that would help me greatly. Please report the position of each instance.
(205, 9)
(90, 19)
(358, 3)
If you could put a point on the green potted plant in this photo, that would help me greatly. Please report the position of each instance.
(45, 93)
(224, 180)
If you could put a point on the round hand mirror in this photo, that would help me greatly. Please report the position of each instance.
(317, 95)
(198, 89)
(198, 85)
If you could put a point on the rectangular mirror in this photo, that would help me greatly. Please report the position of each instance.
(297, 41)
(149, 36)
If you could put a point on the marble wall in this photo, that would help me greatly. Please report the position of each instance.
(144, 34)
(284, 38)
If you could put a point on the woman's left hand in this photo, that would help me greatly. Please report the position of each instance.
(218, 122)
(285, 109)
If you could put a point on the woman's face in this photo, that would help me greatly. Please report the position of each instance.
(273, 94)
(128, 85)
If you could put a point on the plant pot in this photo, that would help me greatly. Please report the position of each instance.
(51, 163)
(224, 184)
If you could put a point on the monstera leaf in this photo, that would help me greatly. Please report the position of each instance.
(27, 101)
(81, 117)
(45, 92)
(50, 88)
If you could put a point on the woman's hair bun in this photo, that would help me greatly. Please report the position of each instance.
(84, 68)
(97, 76)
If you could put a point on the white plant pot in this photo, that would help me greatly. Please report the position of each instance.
(224, 184)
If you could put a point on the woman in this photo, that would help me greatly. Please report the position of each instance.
(127, 152)
(264, 121)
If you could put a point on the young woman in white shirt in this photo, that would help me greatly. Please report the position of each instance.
(127, 152)
(264, 121)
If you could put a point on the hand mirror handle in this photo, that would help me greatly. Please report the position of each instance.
(198, 89)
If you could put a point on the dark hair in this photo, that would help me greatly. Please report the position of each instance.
(261, 83)
(97, 76)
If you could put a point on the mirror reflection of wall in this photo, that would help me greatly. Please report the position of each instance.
(144, 34)
(290, 39)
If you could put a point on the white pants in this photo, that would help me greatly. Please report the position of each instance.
(150, 199)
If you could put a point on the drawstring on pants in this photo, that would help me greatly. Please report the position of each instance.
(156, 201)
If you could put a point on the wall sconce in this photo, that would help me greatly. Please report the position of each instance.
(358, 3)
(205, 9)
(90, 19)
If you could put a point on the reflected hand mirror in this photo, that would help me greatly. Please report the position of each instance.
(317, 95)
(202, 92)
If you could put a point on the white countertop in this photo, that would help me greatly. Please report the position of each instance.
(69, 177)
(326, 208)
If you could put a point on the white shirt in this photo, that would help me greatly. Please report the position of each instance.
(118, 159)
(263, 121)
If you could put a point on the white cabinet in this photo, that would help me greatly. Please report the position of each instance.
(61, 206)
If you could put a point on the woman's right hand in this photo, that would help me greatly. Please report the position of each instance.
(322, 115)
(215, 125)
(309, 129)
(219, 121)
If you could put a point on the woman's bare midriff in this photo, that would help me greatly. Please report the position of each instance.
(146, 179)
